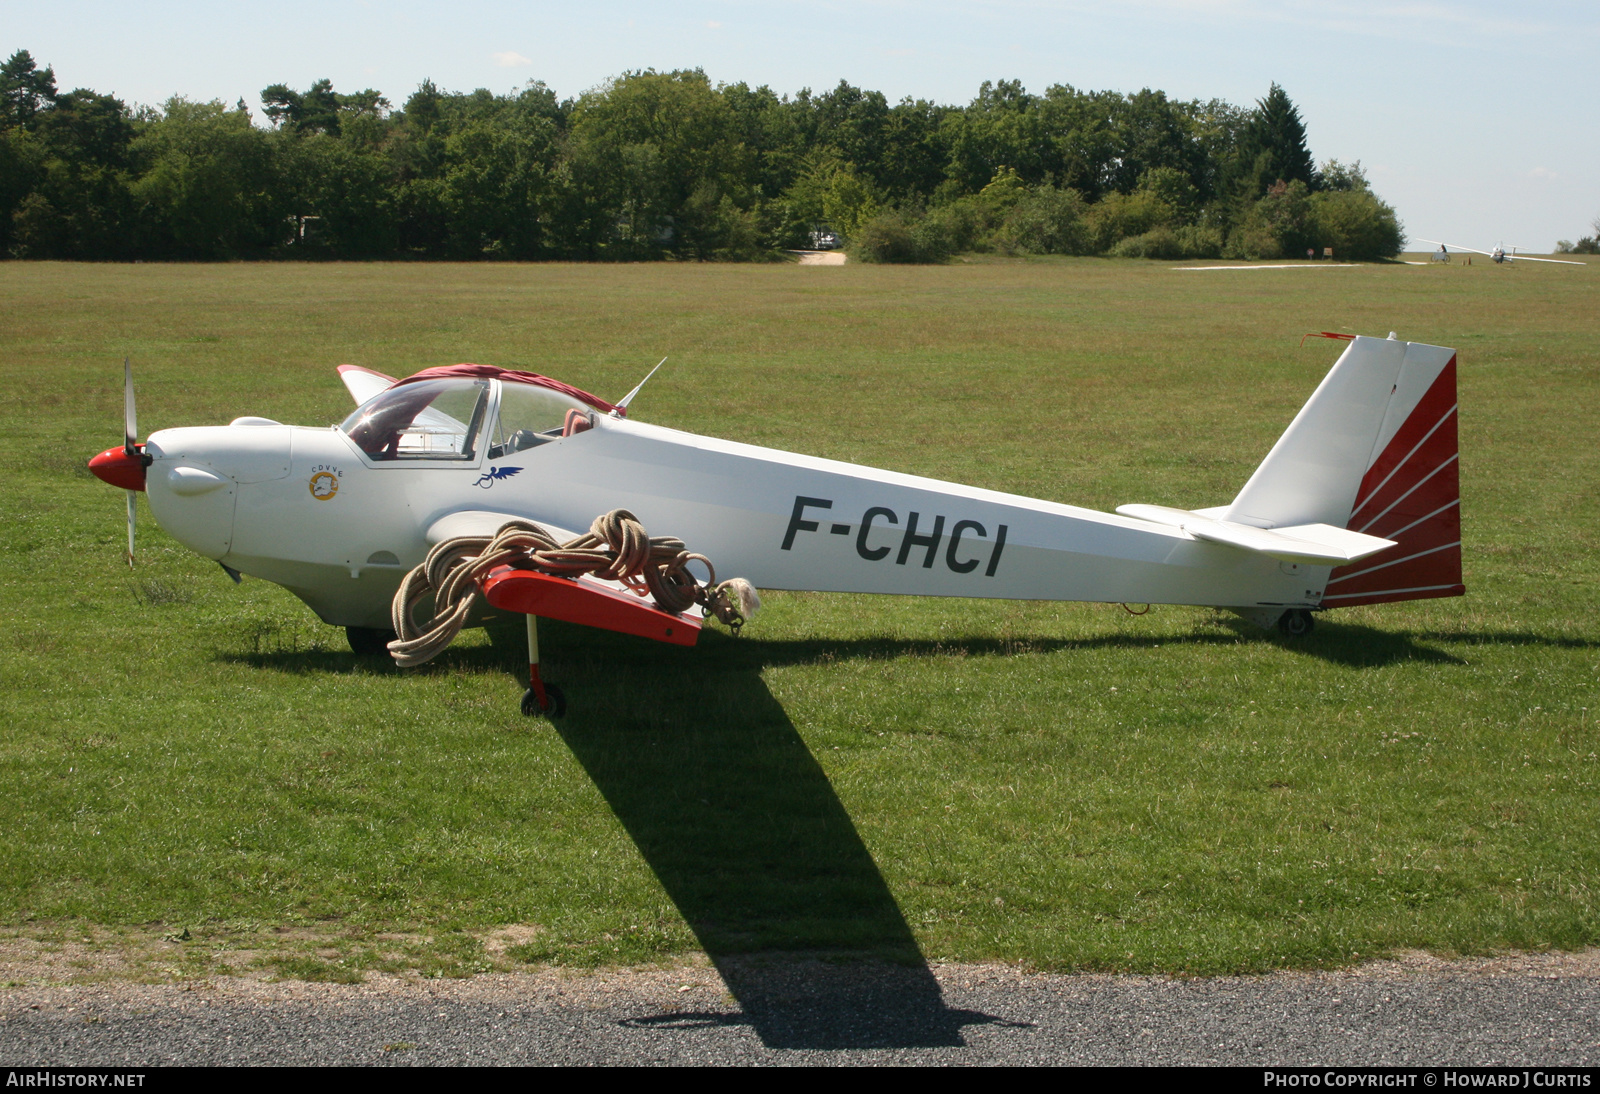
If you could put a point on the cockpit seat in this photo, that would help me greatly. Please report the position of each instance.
(577, 421)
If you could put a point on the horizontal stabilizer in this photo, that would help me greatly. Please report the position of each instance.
(1311, 544)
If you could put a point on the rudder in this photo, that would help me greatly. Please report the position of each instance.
(1410, 493)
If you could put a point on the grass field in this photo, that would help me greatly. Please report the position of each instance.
(1064, 786)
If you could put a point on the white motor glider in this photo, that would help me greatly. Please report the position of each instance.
(1357, 503)
(1498, 255)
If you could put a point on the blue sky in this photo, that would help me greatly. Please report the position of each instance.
(1475, 120)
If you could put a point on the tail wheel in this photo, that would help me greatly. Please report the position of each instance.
(554, 705)
(1296, 623)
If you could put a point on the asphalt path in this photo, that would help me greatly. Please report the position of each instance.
(1529, 1011)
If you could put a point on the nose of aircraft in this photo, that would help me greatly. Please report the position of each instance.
(119, 468)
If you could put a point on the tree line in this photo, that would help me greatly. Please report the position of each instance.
(667, 165)
(1586, 245)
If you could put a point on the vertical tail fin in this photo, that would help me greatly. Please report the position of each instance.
(1373, 450)
(1411, 493)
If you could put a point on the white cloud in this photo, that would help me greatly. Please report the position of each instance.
(1542, 174)
(713, 24)
(509, 59)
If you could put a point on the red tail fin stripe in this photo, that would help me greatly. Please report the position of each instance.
(1419, 484)
(1403, 593)
(1402, 531)
(1396, 562)
(1443, 528)
(1435, 402)
(1437, 568)
(1396, 470)
(1436, 454)
(1439, 395)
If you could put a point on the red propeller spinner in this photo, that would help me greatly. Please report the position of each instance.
(125, 467)
(117, 467)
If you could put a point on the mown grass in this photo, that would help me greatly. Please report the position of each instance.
(1065, 786)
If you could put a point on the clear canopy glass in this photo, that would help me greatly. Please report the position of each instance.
(530, 415)
(429, 420)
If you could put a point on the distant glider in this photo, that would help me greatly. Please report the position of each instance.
(1500, 254)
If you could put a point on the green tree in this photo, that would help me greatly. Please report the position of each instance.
(649, 157)
(1116, 217)
(1047, 221)
(914, 151)
(346, 194)
(1334, 175)
(1588, 245)
(1355, 224)
(1279, 224)
(1002, 127)
(22, 167)
(320, 109)
(81, 206)
(212, 184)
(496, 186)
(1151, 133)
(1272, 147)
(313, 111)
(1080, 130)
(25, 90)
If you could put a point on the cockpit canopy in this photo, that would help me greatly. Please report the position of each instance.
(444, 419)
(431, 420)
(529, 416)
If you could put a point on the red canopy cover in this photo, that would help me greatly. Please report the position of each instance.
(511, 376)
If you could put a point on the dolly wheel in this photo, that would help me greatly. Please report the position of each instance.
(1296, 623)
(555, 704)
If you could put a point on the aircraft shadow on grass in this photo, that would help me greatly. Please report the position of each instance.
(741, 826)
(1349, 644)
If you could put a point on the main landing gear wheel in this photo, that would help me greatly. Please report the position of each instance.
(1296, 623)
(368, 641)
(555, 702)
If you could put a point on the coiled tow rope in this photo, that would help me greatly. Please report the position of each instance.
(615, 548)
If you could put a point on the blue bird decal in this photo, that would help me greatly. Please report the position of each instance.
(494, 475)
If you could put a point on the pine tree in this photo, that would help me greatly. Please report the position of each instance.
(24, 90)
(1274, 145)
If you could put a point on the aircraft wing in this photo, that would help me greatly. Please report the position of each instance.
(1453, 247)
(364, 383)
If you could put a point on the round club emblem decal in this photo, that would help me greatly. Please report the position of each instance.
(324, 485)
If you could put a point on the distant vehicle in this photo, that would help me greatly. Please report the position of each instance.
(824, 239)
(1498, 255)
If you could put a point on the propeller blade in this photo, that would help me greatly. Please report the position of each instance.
(130, 419)
(133, 508)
